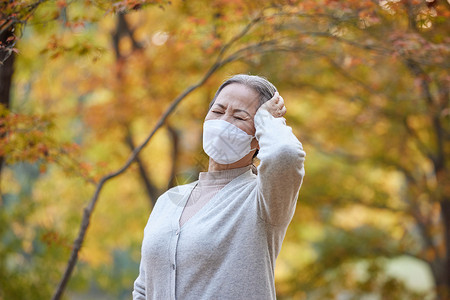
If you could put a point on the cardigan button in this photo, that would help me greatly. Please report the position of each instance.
(173, 266)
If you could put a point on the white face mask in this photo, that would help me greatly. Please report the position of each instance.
(224, 142)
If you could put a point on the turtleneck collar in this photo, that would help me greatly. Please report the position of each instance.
(221, 178)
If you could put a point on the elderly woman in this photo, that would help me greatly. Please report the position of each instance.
(219, 237)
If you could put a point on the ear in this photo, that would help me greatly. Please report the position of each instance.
(254, 144)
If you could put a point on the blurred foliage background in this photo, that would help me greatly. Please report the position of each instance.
(366, 85)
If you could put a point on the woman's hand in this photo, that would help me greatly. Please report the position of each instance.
(275, 106)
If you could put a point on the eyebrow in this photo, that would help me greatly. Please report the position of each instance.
(234, 110)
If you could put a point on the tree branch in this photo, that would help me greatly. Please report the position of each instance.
(152, 190)
(175, 152)
(439, 158)
(421, 145)
(21, 19)
(346, 74)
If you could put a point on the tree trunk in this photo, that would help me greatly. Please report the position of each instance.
(6, 73)
(122, 31)
(443, 288)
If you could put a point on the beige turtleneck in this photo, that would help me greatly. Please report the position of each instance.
(209, 184)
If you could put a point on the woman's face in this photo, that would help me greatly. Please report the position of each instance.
(237, 104)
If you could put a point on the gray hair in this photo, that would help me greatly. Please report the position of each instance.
(261, 85)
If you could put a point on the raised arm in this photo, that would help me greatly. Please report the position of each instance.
(281, 171)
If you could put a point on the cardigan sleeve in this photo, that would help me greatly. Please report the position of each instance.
(281, 170)
(139, 284)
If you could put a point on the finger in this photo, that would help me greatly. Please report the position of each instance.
(283, 111)
(279, 106)
(275, 96)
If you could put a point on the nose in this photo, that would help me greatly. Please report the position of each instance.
(228, 118)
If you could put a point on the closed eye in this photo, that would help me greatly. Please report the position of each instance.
(217, 112)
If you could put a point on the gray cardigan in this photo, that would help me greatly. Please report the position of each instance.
(227, 250)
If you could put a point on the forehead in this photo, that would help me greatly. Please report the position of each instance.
(239, 96)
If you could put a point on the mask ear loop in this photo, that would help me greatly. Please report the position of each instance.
(253, 137)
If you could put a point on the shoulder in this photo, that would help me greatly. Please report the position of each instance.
(176, 193)
(246, 179)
